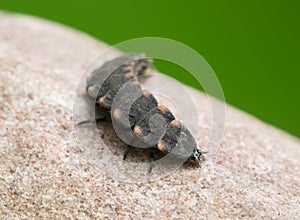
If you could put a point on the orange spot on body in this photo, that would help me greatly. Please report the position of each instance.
(137, 130)
(148, 70)
(127, 68)
(92, 89)
(175, 123)
(160, 145)
(162, 108)
(101, 100)
(146, 93)
(129, 75)
(116, 114)
(131, 63)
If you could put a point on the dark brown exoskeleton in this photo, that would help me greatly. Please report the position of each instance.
(137, 118)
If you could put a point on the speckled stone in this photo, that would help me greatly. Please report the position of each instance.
(44, 174)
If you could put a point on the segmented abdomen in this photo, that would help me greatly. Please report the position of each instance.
(135, 112)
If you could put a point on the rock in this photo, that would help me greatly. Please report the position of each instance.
(44, 172)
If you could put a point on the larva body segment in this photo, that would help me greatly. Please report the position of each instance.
(137, 117)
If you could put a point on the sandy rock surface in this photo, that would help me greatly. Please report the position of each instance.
(45, 174)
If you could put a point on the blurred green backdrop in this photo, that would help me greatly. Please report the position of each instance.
(253, 46)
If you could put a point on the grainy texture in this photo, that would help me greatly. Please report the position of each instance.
(43, 173)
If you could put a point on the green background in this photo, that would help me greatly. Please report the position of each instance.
(253, 46)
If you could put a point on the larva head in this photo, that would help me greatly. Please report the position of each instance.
(196, 156)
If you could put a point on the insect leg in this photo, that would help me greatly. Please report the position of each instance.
(198, 162)
(126, 152)
(151, 162)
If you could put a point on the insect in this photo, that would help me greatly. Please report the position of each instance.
(137, 114)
